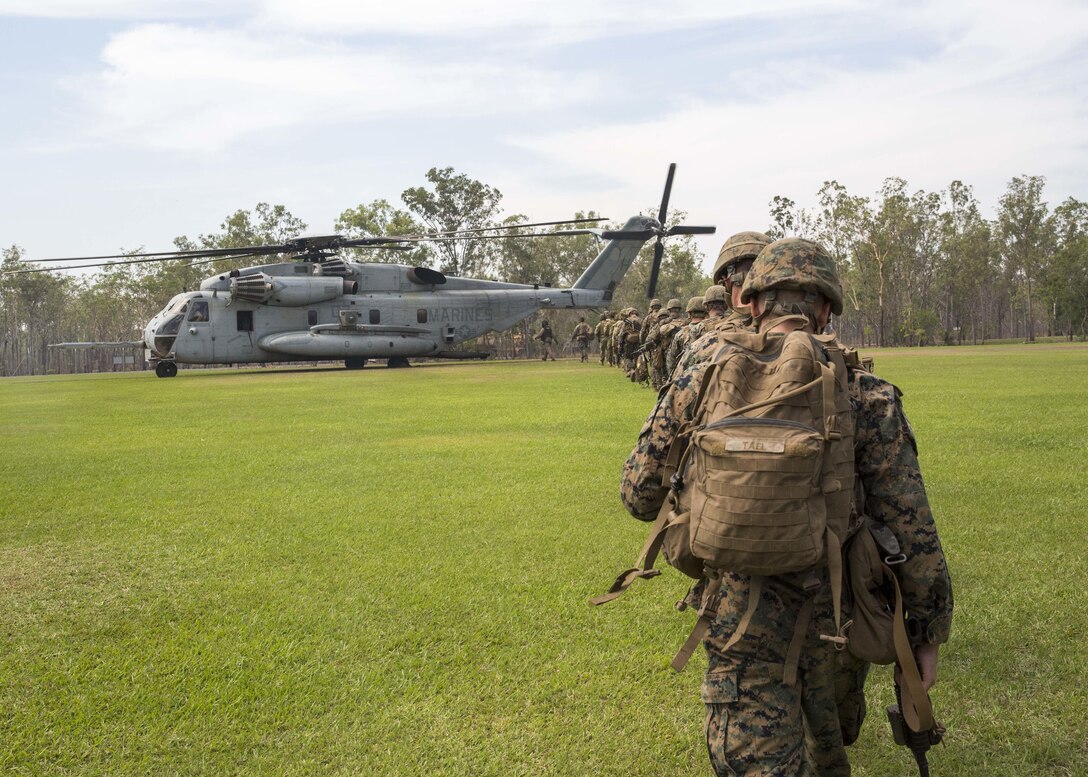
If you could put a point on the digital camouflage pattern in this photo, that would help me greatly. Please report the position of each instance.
(600, 332)
(743, 245)
(696, 306)
(791, 262)
(657, 345)
(580, 337)
(755, 723)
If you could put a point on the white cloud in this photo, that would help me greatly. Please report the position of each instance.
(183, 88)
(123, 9)
(525, 19)
(994, 102)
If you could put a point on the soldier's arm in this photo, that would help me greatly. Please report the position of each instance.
(641, 489)
(887, 462)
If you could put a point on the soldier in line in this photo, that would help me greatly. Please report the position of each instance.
(734, 262)
(696, 310)
(657, 342)
(600, 331)
(580, 338)
(755, 723)
(714, 300)
(653, 315)
(619, 331)
(632, 326)
(547, 340)
(615, 337)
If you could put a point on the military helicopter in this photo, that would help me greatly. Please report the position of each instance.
(321, 307)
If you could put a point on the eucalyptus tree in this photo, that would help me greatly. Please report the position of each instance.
(456, 202)
(1026, 233)
(1067, 279)
(33, 312)
(379, 219)
(969, 272)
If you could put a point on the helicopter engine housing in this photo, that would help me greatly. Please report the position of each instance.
(290, 292)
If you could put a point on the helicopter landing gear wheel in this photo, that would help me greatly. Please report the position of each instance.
(166, 369)
(355, 362)
(397, 361)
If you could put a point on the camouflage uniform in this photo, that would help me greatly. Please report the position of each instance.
(616, 338)
(653, 316)
(657, 342)
(580, 338)
(755, 723)
(600, 333)
(629, 341)
(547, 341)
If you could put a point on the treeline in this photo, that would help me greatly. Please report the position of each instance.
(926, 268)
(919, 268)
(113, 304)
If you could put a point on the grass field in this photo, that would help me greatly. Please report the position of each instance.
(387, 572)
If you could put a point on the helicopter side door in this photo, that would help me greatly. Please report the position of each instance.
(197, 338)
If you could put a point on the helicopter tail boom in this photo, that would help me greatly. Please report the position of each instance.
(608, 269)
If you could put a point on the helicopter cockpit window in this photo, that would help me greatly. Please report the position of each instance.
(375, 316)
(198, 311)
(421, 316)
(173, 324)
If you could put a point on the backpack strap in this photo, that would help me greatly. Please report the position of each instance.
(644, 565)
(702, 625)
(915, 704)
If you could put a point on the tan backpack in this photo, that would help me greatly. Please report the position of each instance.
(761, 478)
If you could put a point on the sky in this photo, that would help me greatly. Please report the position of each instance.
(126, 123)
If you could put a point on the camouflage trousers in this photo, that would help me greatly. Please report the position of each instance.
(757, 725)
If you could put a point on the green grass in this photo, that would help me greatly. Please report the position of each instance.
(312, 572)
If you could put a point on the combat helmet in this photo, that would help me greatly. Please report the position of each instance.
(741, 246)
(794, 263)
(716, 293)
(674, 303)
(696, 305)
(655, 303)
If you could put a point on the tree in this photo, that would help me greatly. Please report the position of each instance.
(1026, 232)
(1067, 280)
(33, 313)
(380, 219)
(968, 268)
(456, 203)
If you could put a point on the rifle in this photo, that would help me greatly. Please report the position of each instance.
(918, 742)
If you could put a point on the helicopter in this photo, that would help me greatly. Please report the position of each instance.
(320, 306)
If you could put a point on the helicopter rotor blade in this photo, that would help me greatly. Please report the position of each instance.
(680, 229)
(473, 230)
(168, 255)
(659, 246)
(629, 234)
(655, 269)
(665, 197)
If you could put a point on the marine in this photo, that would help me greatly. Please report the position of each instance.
(600, 333)
(658, 340)
(731, 268)
(714, 300)
(580, 337)
(696, 310)
(756, 723)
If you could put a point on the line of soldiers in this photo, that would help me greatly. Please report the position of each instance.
(648, 349)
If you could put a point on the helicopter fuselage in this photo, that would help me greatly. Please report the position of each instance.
(357, 311)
